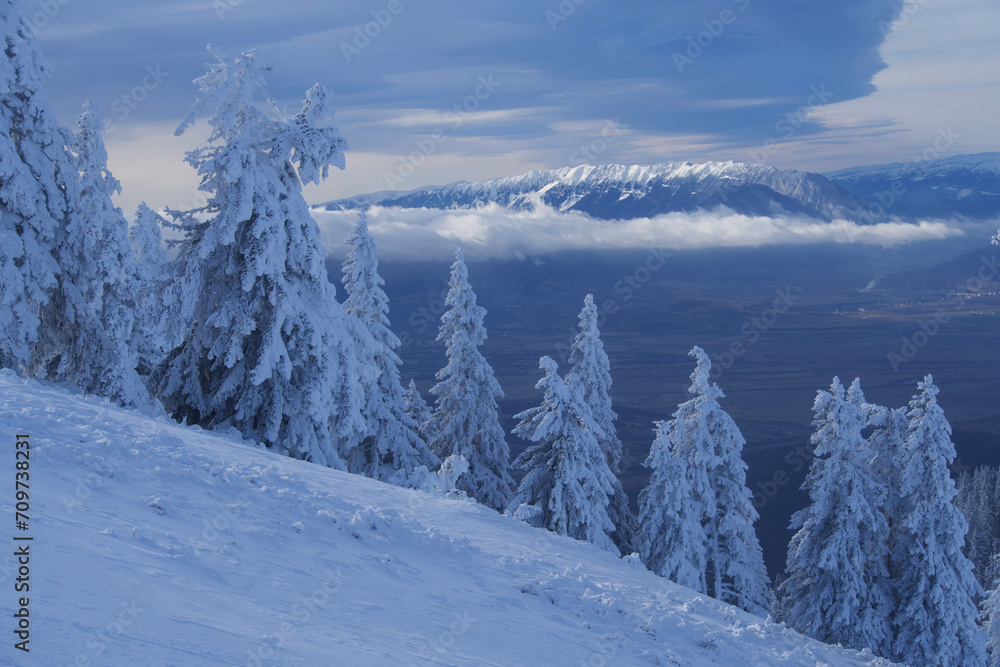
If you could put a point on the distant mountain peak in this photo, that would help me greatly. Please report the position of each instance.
(619, 191)
(963, 186)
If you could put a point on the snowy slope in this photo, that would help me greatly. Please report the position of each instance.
(622, 192)
(156, 544)
(964, 185)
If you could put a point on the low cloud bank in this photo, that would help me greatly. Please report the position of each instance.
(495, 232)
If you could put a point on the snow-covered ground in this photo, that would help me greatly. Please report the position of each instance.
(156, 544)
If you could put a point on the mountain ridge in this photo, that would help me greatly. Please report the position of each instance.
(617, 191)
(965, 186)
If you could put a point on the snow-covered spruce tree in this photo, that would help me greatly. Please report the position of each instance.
(705, 441)
(37, 188)
(935, 623)
(887, 441)
(154, 291)
(671, 538)
(567, 479)
(417, 407)
(270, 351)
(990, 608)
(837, 560)
(466, 419)
(977, 498)
(592, 371)
(87, 327)
(393, 450)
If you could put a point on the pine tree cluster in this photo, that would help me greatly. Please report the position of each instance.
(241, 328)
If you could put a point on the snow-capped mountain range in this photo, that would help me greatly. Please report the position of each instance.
(614, 191)
(964, 186)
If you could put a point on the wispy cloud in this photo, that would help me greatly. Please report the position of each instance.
(493, 231)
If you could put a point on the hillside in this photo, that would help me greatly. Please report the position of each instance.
(623, 192)
(157, 544)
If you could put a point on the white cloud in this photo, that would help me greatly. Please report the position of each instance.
(493, 231)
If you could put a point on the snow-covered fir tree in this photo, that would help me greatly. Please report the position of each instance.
(155, 291)
(466, 419)
(887, 441)
(704, 444)
(837, 565)
(990, 609)
(979, 500)
(271, 352)
(592, 371)
(87, 327)
(416, 406)
(567, 479)
(37, 189)
(393, 450)
(935, 623)
(671, 538)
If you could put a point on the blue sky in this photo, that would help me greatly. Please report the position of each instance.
(517, 86)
